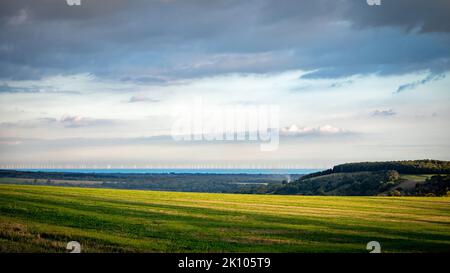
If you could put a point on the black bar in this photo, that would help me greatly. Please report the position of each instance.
(222, 262)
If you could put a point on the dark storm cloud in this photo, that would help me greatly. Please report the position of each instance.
(153, 42)
(425, 15)
(55, 10)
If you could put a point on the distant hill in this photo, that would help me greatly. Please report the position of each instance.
(423, 166)
(411, 177)
(405, 167)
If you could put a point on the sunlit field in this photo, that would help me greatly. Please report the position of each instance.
(46, 218)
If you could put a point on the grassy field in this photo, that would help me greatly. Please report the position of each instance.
(416, 177)
(45, 218)
(409, 181)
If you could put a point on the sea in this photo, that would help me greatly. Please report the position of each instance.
(177, 171)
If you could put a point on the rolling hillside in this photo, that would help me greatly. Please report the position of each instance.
(45, 218)
(410, 178)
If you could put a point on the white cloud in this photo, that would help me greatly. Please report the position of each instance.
(295, 130)
(384, 113)
(141, 98)
(75, 121)
(327, 122)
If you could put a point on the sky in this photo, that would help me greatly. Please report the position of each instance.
(101, 84)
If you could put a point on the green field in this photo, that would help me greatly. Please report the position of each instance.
(45, 218)
(416, 177)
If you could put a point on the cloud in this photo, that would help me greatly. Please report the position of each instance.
(5, 88)
(66, 121)
(47, 120)
(10, 141)
(297, 131)
(141, 98)
(430, 78)
(428, 16)
(75, 121)
(341, 84)
(76, 84)
(168, 40)
(383, 113)
(18, 19)
(147, 80)
(424, 16)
